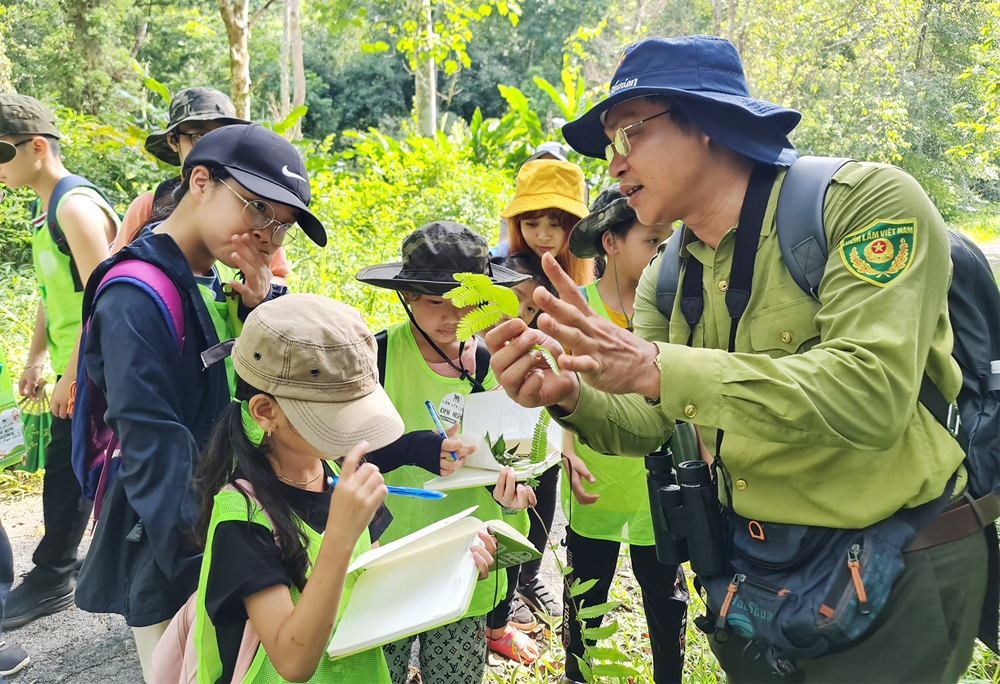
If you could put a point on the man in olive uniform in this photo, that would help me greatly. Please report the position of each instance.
(817, 399)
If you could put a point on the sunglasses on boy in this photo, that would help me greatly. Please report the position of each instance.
(620, 143)
(259, 215)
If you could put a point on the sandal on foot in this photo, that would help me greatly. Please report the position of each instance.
(515, 645)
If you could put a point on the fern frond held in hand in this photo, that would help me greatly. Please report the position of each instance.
(478, 319)
(547, 355)
(540, 438)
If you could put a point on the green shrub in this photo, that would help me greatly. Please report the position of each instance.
(376, 193)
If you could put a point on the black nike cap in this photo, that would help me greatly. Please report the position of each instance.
(264, 163)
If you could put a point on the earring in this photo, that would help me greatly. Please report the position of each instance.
(269, 432)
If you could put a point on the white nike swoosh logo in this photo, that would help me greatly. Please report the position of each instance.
(290, 174)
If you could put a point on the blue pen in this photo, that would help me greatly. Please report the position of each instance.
(405, 491)
(438, 425)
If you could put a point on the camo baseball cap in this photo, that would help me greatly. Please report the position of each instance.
(23, 115)
(432, 255)
(192, 104)
(608, 211)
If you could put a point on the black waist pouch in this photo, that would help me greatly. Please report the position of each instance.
(796, 591)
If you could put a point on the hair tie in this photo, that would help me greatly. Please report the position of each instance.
(253, 431)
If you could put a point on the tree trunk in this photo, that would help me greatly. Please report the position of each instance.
(716, 17)
(298, 65)
(286, 37)
(426, 74)
(731, 21)
(236, 17)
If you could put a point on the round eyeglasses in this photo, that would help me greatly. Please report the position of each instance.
(259, 215)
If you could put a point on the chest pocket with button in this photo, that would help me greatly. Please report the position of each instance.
(786, 328)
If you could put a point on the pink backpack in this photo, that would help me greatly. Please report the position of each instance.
(175, 659)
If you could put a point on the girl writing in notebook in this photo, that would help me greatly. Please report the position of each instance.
(425, 361)
(278, 531)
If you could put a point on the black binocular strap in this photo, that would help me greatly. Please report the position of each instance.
(741, 274)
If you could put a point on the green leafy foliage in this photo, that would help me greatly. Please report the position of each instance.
(476, 288)
(579, 588)
(547, 356)
(600, 610)
(540, 438)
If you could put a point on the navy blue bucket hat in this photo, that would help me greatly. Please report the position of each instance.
(704, 75)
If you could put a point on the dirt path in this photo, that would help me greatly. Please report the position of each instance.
(75, 647)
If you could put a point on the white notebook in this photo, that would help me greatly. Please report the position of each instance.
(420, 581)
(496, 414)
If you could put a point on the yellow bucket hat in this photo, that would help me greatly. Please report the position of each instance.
(547, 183)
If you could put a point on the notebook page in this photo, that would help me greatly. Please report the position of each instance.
(430, 588)
(458, 525)
(497, 414)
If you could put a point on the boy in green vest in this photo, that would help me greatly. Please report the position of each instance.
(87, 224)
(425, 362)
(605, 498)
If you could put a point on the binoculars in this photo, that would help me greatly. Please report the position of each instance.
(688, 521)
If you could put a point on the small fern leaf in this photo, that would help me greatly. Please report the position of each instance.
(600, 610)
(598, 633)
(480, 283)
(584, 669)
(566, 569)
(462, 297)
(477, 320)
(506, 300)
(547, 355)
(579, 588)
(606, 653)
(614, 670)
(540, 438)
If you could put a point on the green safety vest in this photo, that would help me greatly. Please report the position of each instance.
(410, 382)
(367, 667)
(622, 513)
(62, 302)
(224, 316)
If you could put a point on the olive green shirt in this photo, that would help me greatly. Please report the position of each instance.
(819, 401)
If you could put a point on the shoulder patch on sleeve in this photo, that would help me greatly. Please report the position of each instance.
(882, 251)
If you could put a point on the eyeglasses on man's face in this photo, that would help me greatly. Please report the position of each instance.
(620, 143)
(259, 215)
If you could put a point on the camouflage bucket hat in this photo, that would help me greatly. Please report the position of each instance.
(609, 210)
(192, 104)
(432, 255)
(23, 115)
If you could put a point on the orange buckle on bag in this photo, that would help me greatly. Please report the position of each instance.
(756, 530)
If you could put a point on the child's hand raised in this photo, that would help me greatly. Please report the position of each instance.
(453, 443)
(359, 492)
(256, 269)
(509, 494)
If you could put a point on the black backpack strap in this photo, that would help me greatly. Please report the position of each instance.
(63, 186)
(670, 273)
(799, 215)
(946, 413)
(482, 366)
(382, 345)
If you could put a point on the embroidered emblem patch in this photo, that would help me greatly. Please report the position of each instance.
(880, 252)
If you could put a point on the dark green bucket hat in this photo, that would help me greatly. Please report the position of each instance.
(432, 255)
(608, 211)
(192, 104)
(23, 115)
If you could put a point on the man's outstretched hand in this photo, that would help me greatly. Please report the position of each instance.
(605, 356)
